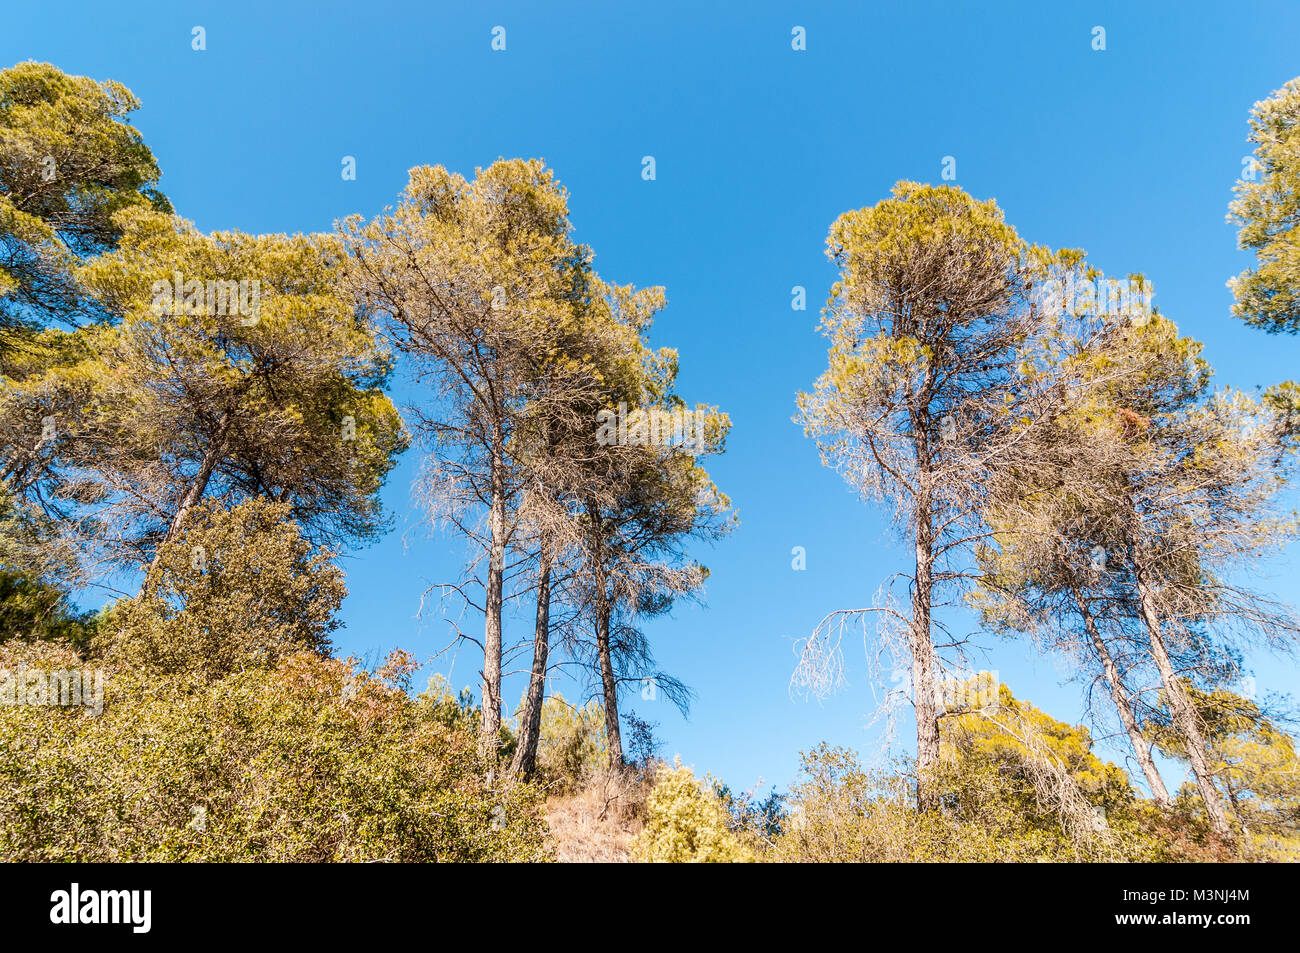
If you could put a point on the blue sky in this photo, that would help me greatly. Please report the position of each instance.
(1129, 153)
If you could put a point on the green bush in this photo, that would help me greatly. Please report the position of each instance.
(236, 588)
(571, 745)
(311, 760)
(686, 822)
(227, 733)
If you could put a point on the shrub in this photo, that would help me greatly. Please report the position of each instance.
(687, 823)
(841, 812)
(571, 746)
(228, 734)
(236, 588)
(311, 760)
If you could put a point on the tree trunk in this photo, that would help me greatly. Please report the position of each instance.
(530, 720)
(609, 686)
(1117, 693)
(608, 681)
(490, 734)
(1180, 706)
(922, 650)
(194, 492)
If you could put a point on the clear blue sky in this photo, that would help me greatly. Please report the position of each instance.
(1129, 153)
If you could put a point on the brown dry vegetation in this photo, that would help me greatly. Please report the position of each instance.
(598, 823)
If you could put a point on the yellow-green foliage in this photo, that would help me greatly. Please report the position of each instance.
(1014, 784)
(571, 747)
(841, 812)
(310, 760)
(37, 570)
(460, 711)
(226, 733)
(236, 587)
(1008, 736)
(1266, 207)
(449, 708)
(687, 823)
(70, 161)
(1254, 765)
(275, 392)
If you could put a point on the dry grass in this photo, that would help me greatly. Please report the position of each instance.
(597, 824)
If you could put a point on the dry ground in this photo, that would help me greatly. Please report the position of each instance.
(598, 823)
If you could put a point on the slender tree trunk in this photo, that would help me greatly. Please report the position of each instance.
(1118, 694)
(604, 655)
(490, 734)
(1180, 706)
(530, 727)
(609, 686)
(194, 492)
(922, 650)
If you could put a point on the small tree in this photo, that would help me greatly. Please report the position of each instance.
(686, 822)
(233, 588)
(571, 746)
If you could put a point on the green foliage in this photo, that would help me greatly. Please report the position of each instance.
(760, 820)
(233, 453)
(522, 348)
(1013, 784)
(1013, 731)
(840, 812)
(925, 277)
(571, 746)
(228, 734)
(235, 588)
(1254, 764)
(206, 390)
(686, 822)
(461, 711)
(446, 707)
(30, 609)
(309, 760)
(36, 574)
(69, 161)
(1267, 208)
(642, 746)
(1017, 772)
